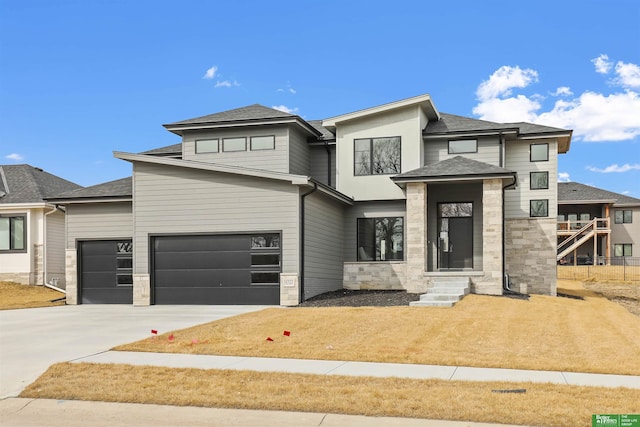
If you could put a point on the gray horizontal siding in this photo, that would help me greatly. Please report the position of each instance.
(518, 159)
(323, 245)
(98, 221)
(368, 210)
(298, 152)
(319, 160)
(170, 200)
(55, 248)
(273, 160)
(438, 150)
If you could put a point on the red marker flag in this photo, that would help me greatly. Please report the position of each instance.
(171, 337)
(154, 332)
(287, 333)
(269, 339)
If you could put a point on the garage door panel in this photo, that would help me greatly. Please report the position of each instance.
(238, 296)
(201, 243)
(199, 260)
(98, 262)
(123, 295)
(202, 278)
(98, 248)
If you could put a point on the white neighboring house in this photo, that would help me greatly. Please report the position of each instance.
(31, 230)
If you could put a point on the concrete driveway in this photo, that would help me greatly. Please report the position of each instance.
(33, 339)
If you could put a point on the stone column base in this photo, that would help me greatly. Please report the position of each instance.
(289, 290)
(141, 289)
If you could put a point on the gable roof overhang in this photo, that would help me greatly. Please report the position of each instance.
(456, 169)
(300, 180)
(180, 128)
(423, 101)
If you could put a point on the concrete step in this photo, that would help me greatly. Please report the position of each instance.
(431, 303)
(450, 290)
(441, 297)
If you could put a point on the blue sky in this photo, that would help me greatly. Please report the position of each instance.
(80, 79)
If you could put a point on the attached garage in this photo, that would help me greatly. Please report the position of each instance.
(105, 271)
(232, 269)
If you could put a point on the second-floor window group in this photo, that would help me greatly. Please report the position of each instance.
(235, 144)
(377, 156)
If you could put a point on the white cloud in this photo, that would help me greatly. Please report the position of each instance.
(562, 91)
(285, 109)
(15, 157)
(602, 63)
(615, 168)
(563, 177)
(593, 116)
(628, 75)
(211, 73)
(226, 83)
(503, 80)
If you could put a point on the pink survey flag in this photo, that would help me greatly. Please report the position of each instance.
(287, 333)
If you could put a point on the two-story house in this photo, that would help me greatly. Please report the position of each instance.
(257, 206)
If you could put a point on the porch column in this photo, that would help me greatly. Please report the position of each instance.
(416, 238)
(492, 238)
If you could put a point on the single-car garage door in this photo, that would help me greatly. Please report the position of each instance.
(105, 272)
(216, 269)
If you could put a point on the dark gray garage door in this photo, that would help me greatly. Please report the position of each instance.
(105, 272)
(216, 269)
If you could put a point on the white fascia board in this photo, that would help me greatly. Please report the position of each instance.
(214, 167)
(35, 205)
(451, 135)
(434, 180)
(85, 200)
(199, 126)
(423, 100)
(586, 202)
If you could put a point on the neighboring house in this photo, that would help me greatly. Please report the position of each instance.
(596, 226)
(32, 249)
(258, 206)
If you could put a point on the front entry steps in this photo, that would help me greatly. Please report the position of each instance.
(444, 292)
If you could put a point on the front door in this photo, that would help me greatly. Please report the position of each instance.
(455, 235)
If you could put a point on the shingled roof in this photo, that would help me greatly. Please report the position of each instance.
(454, 167)
(574, 192)
(250, 112)
(451, 123)
(27, 184)
(120, 188)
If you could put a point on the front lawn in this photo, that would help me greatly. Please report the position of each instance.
(15, 295)
(544, 333)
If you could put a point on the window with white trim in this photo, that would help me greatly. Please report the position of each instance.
(13, 233)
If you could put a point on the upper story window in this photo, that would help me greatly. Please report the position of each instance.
(234, 144)
(13, 233)
(539, 152)
(623, 249)
(539, 208)
(207, 146)
(376, 156)
(263, 143)
(461, 146)
(623, 216)
(539, 180)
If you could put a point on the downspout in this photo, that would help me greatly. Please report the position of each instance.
(505, 280)
(44, 252)
(302, 197)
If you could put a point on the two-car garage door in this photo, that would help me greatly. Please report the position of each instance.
(186, 269)
(216, 269)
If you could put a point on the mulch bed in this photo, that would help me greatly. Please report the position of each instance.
(351, 298)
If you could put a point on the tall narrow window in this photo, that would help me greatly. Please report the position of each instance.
(13, 233)
(380, 239)
(376, 156)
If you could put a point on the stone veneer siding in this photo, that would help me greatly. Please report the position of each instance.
(71, 276)
(491, 281)
(374, 275)
(416, 237)
(22, 278)
(531, 254)
(289, 289)
(141, 289)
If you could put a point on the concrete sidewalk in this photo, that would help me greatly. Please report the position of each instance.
(17, 412)
(334, 367)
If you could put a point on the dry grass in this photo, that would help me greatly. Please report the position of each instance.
(15, 295)
(617, 273)
(625, 294)
(541, 405)
(548, 333)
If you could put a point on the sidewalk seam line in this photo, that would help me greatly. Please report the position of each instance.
(453, 373)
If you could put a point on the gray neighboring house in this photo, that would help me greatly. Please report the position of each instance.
(596, 226)
(258, 206)
(32, 231)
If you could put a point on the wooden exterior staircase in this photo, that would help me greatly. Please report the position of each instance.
(577, 233)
